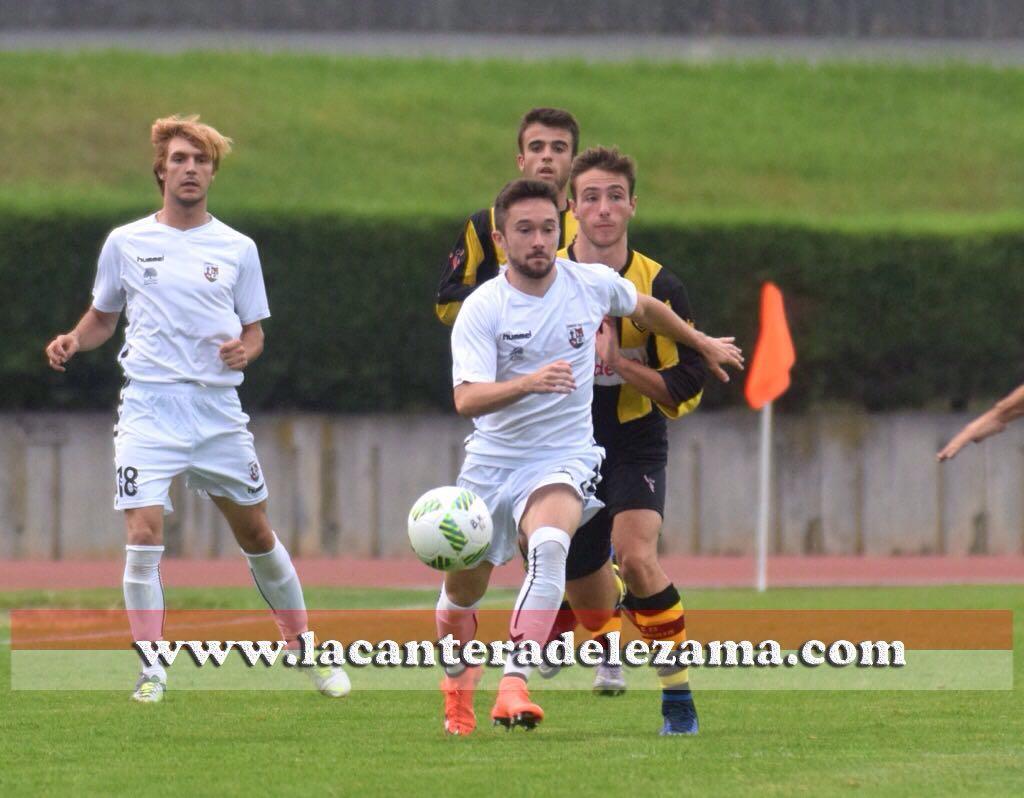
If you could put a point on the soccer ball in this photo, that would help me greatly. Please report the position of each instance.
(450, 528)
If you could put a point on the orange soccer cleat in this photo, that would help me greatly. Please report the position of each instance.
(514, 707)
(459, 717)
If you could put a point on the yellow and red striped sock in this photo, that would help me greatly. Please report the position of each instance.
(661, 617)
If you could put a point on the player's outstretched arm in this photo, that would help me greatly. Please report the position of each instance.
(987, 424)
(474, 399)
(93, 330)
(646, 380)
(659, 319)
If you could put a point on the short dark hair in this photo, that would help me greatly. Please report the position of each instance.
(517, 191)
(608, 159)
(551, 117)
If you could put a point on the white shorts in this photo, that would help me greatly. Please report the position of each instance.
(506, 491)
(183, 428)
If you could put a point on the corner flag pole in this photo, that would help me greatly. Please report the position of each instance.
(773, 357)
(764, 497)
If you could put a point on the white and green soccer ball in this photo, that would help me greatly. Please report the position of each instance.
(450, 528)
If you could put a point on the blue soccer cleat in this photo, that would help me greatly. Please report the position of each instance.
(679, 713)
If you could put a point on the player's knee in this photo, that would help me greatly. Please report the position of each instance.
(249, 524)
(556, 505)
(466, 588)
(464, 595)
(255, 537)
(144, 526)
(637, 566)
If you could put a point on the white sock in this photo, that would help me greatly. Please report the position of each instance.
(278, 583)
(144, 598)
(541, 593)
(459, 622)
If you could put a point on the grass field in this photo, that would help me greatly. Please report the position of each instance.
(284, 743)
(860, 145)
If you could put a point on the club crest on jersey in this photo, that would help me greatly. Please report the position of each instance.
(517, 353)
(576, 335)
(254, 471)
(210, 271)
(149, 276)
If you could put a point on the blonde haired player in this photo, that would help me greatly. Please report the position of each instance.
(194, 293)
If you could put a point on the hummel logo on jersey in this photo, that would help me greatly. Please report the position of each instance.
(576, 335)
(516, 336)
(150, 259)
(518, 353)
(650, 482)
(149, 276)
(254, 471)
(210, 271)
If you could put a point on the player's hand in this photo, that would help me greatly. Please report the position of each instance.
(553, 378)
(60, 350)
(233, 354)
(608, 343)
(979, 429)
(719, 352)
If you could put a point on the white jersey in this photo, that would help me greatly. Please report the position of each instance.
(502, 333)
(187, 292)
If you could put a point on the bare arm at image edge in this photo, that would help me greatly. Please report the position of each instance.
(991, 423)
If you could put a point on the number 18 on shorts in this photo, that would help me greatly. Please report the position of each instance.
(164, 430)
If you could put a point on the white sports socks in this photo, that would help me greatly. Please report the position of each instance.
(278, 583)
(541, 593)
(144, 597)
(459, 622)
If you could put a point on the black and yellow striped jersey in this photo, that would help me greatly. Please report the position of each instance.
(628, 424)
(475, 258)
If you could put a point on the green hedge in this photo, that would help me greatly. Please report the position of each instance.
(883, 320)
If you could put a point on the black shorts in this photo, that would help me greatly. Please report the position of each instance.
(623, 486)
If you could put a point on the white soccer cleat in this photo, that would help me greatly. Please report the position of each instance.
(149, 689)
(609, 680)
(330, 680)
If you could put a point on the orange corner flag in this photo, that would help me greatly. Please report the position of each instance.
(774, 355)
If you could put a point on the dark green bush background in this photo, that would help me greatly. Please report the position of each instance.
(880, 320)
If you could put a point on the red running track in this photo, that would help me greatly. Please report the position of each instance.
(685, 571)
